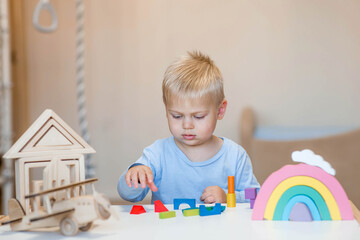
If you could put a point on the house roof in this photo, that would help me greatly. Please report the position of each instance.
(48, 135)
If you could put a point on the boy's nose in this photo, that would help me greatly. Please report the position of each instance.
(188, 124)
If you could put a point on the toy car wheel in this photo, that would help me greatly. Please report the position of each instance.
(69, 226)
(86, 227)
(104, 214)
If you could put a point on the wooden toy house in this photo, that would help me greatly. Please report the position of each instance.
(48, 155)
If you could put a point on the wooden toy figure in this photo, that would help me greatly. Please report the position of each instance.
(57, 198)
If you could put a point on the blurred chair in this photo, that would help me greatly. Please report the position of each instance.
(341, 150)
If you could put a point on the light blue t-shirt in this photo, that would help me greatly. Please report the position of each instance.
(178, 177)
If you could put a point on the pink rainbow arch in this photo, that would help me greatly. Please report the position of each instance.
(302, 170)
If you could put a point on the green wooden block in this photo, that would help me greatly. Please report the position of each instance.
(191, 212)
(168, 214)
(212, 207)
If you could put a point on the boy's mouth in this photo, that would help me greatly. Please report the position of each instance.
(188, 136)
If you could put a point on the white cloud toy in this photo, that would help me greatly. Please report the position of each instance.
(309, 157)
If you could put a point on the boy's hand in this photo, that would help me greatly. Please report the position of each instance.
(213, 194)
(140, 174)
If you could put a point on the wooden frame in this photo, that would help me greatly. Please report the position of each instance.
(75, 162)
(26, 146)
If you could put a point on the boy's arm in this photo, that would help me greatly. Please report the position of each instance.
(135, 194)
(244, 178)
(130, 193)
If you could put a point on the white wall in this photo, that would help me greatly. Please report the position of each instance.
(295, 62)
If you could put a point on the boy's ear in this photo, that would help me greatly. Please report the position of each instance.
(222, 109)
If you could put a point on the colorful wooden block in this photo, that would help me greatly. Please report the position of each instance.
(300, 213)
(137, 209)
(252, 202)
(231, 184)
(212, 207)
(302, 199)
(191, 212)
(304, 190)
(159, 206)
(306, 175)
(168, 214)
(179, 201)
(250, 193)
(306, 181)
(203, 211)
(230, 196)
(231, 200)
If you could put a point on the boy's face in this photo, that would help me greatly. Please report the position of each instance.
(193, 121)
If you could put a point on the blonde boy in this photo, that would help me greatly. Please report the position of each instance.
(193, 163)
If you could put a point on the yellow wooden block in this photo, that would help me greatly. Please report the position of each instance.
(231, 200)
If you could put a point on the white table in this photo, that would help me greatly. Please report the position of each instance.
(233, 223)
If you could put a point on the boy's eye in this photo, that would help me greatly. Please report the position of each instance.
(176, 116)
(199, 117)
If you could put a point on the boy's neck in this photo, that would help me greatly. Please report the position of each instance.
(203, 152)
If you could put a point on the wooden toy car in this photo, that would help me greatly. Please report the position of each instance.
(72, 210)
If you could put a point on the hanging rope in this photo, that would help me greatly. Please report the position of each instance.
(89, 167)
(45, 5)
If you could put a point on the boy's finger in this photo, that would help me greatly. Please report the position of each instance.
(149, 176)
(134, 179)
(127, 179)
(152, 186)
(204, 196)
(209, 200)
(142, 178)
(150, 180)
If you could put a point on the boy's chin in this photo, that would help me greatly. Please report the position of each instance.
(192, 142)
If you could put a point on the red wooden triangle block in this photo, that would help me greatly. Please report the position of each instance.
(159, 206)
(137, 209)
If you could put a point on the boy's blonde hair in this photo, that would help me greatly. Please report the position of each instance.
(194, 75)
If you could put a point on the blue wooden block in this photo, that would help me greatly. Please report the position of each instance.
(303, 199)
(212, 207)
(179, 201)
(203, 211)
